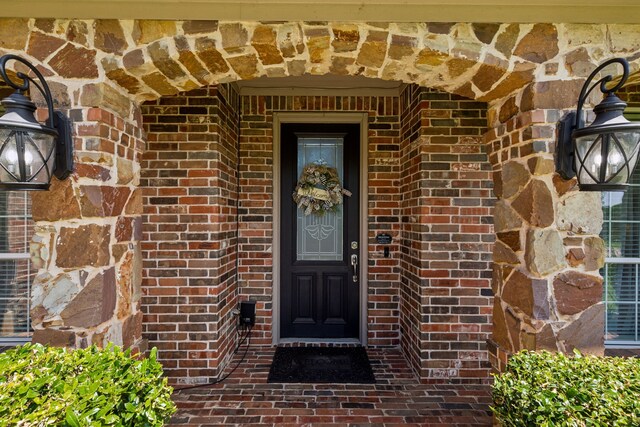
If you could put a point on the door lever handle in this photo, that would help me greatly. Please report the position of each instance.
(354, 264)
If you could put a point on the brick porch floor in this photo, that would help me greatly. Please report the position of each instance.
(398, 398)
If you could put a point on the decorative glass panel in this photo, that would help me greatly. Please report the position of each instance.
(319, 238)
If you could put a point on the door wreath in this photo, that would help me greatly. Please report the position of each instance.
(319, 190)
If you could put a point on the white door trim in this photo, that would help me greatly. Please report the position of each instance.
(320, 117)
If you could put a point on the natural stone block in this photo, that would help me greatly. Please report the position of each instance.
(54, 337)
(109, 36)
(77, 32)
(127, 81)
(531, 296)
(95, 303)
(539, 45)
(158, 82)
(594, 251)
(103, 201)
(75, 62)
(159, 53)
(134, 205)
(104, 96)
(535, 204)
(508, 110)
(197, 27)
(503, 254)
(124, 229)
(541, 165)
(340, 65)
(505, 217)
(55, 295)
(581, 213)
(562, 185)
(575, 291)
(83, 246)
(545, 339)
(431, 58)
(487, 76)
(514, 327)
(374, 50)
(506, 40)
(515, 177)
(146, 31)
(290, 40)
(579, 62)
(246, 66)
(554, 94)
(511, 239)
(132, 330)
(575, 256)
(42, 45)
(509, 84)
(459, 66)
(586, 333)
(264, 42)
(210, 56)
(318, 44)
(345, 38)
(544, 252)
(14, 33)
(500, 333)
(234, 37)
(59, 203)
(402, 46)
(485, 32)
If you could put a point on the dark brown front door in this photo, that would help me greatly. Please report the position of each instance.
(319, 289)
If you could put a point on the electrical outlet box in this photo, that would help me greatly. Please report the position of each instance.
(247, 313)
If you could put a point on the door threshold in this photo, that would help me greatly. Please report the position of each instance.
(339, 341)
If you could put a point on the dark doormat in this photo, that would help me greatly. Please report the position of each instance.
(321, 365)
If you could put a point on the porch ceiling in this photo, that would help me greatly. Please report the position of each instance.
(571, 11)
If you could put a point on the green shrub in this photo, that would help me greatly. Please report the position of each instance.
(47, 386)
(545, 389)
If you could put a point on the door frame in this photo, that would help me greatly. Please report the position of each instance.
(321, 117)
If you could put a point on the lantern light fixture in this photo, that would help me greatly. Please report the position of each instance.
(31, 152)
(603, 154)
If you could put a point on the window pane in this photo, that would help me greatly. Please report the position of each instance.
(319, 238)
(16, 274)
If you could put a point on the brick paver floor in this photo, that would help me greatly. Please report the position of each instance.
(397, 398)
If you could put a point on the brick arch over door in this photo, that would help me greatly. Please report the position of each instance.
(103, 70)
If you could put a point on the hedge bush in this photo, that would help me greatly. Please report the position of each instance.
(48, 386)
(545, 389)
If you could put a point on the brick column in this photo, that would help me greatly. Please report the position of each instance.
(446, 236)
(190, 196)
(548, 290)
(88, 228)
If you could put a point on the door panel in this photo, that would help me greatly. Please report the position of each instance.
(319, 298)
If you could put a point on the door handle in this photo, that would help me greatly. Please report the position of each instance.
(354, 264)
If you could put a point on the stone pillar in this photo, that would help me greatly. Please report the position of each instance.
(547, 254)
(88, 230)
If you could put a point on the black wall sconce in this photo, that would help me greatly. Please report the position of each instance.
(31, 152)
(603, 154)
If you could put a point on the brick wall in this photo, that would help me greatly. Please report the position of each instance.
(447, 236)
(256, 203)
(429, 187)
(190, 229)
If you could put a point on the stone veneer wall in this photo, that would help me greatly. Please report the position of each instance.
(447, 236)
(190, 192)
(100, 70)
(87, 235)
